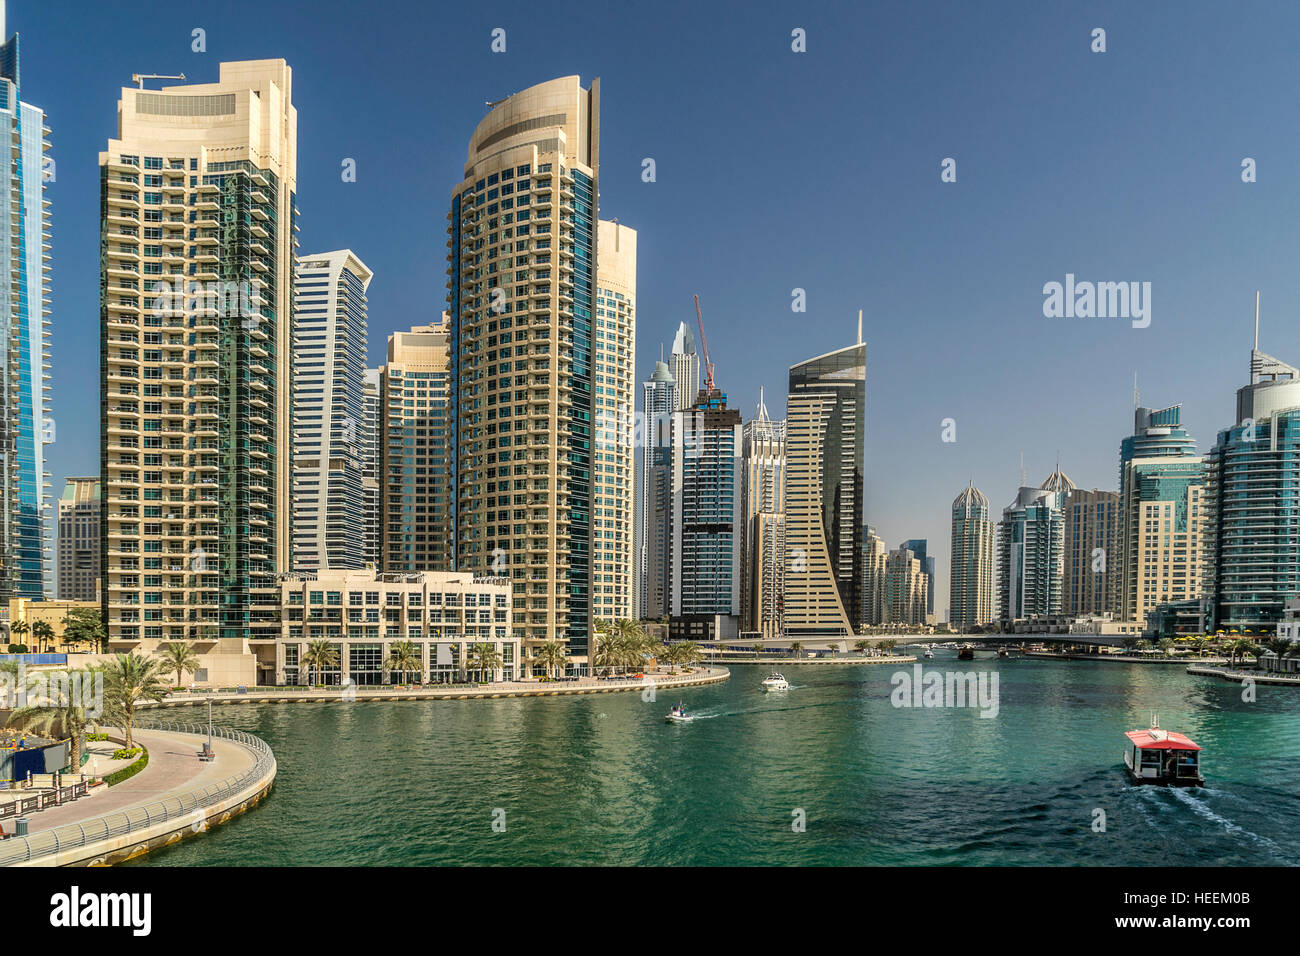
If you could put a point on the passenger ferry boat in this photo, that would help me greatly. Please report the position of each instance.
(1162, 756)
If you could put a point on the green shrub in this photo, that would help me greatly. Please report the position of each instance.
(124, 754)
(96, 736)
(17, 648)
(126, 773)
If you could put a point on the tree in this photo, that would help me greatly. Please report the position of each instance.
(757, 649)
(18, 629)
(1167, 645)
(551, 655)
(58, 715)
(888, 644)
(796, 648)
(128, 680)
(83, 625)
(861, 646)
(687, 653)
(179, 657)
(404, 659)
(42, 633)
(318, 655)
(484, 660)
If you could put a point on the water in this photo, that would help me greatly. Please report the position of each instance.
(604, 780)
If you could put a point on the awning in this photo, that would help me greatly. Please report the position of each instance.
(1160, 740)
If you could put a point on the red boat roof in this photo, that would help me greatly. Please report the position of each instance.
(1160, 740)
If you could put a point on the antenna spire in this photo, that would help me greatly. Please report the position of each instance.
(859, 326)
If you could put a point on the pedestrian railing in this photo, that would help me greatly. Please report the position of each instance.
(43, 799)
(134, 819)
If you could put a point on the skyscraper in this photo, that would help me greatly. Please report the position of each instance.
(414, 456)
(684, 364)
(659, 401)
(706, 519)
(920, 549)
(24, 298)
(825, 431)
(329, 412)
(1092, 553)
(370, 466)
(78, 543)
(970, 592)
(1252, 547)
(198, 197)
(874, 555)
(1031, 551)
(907, 584)
(522, 267)
(613, 403)
(762, 508)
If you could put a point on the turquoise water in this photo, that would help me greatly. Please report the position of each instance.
(604, 780)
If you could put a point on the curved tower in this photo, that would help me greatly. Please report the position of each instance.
(970, 593)
(521, 296)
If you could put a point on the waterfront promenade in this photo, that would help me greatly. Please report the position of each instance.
(1236, 676)
(793, 661)
(659, 680)
(175, 795)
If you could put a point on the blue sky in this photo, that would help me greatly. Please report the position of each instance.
(778, 170)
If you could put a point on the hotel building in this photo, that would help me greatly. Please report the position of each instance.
(907, 587)
(1031, 551)
(825, 431)
(24, 298)
(522, 284)
(197, 194)
(329, 412)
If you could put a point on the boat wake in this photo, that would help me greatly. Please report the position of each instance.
(1202, 809)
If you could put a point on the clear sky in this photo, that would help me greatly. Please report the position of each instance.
(779, 170)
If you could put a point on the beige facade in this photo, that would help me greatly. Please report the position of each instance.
(906, 589)
(197, 268)
(522, 242)
(1165, 549)
(414, 452)
(762, 490)
(26, 612)
(874, 554)
(1092, 554)
(613, 404)
(363, 613)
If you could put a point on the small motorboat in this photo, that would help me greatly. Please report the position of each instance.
(929, 654)
(1003, 652)
(966, 652)
(1162, 756)
(678, 715)
(776, 681)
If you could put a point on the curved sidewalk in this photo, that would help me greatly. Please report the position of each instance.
(174, 768)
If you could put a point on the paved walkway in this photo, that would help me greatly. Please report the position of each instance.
(1237, 676)
(586, 685)
(174, 768)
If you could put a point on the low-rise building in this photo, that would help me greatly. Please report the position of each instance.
(363, 613)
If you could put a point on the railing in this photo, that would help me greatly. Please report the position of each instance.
(50, 798)
(133, 819)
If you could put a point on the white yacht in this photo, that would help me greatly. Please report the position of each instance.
(929, 654)
(776, 681)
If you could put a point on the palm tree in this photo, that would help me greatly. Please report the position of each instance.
(179, 656)
(42, 633)
(319, 655)
(551, 655)
(61, 716)
(688, 653)
(129, 679)
(83, 625)
(404, 659)
(18, 629)
(672, 656)
(1167, 645)
(484, 660)
(606, 656)
(888, 644)
(796, 648)
(758, 650)
(861, 646)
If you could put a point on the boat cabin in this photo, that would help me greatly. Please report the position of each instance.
(1162, 756)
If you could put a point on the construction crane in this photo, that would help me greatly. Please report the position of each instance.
(139, 78)
(704, 345)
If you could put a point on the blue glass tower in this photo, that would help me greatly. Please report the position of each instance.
(24, 417)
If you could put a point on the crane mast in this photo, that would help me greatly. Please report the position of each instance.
(704, 346)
